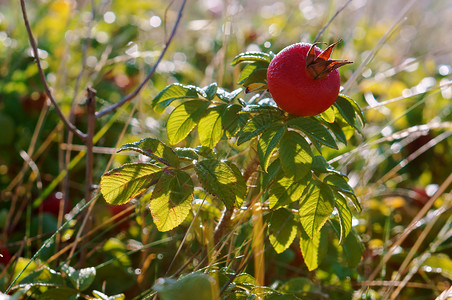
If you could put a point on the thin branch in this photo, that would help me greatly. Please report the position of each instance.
(148, 77)
(331, 20)
(34, 47)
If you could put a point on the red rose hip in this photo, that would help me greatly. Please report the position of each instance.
(303, 80)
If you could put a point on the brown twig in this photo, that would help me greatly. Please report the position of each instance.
(34, 47)
(148, 77)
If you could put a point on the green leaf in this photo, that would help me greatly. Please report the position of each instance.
(44, 277)
(328, 115)
(338, 183)
(355, 107)
(197, 286)
(314, 130)
(257, 125)
(120, 185)
(155, 149)
(286, 190)
(282, 228)
(171, 199)
(353, 249)
(345, 216)
(210, 127)
(176, 91)
(267, 143)
(253, 73)
(218, 179)
(336, 129)
(80, 279)
(295, 155)
(233, 120)
(102, 296)
(352, 245)
(184, 118)
(251, 56)
(259, 109)
(440, 263)
(241, 184)
(316, 206)
(225, 96)
(310, 249)
(211, 90)
(189, 154)
(319, 164)
(272, 171)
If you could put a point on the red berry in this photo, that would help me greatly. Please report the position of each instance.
(5, 256)
(303, 80)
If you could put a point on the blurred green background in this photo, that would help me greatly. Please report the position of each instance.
(402, 54)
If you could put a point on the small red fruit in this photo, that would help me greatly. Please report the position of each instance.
(5, 256)
(303, 80)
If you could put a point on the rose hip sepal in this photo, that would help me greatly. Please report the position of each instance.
(303, 80)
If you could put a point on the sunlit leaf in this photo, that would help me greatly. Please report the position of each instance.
(233, 120)
(226, 96)
(355, 105)
(252, 56)
(282, 228)
(81, 279)
(211, 90)
(316, 206)
(184, 118)
(257, 125)
(347, 111)
(218, 179)
(42, 277)
(328, 115)
(439, 263)
(338, 183)
(314, 130)
(198, 286)
(259, 109)
(120, 185)
(210, 127)
(267, 143)
(310, 249)
(171, 199)
(102, 296)
(176, 91)
(155, 149)
(295, 155)
(345, 216)
(241, 184)
(286, 190)
(189, 154)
